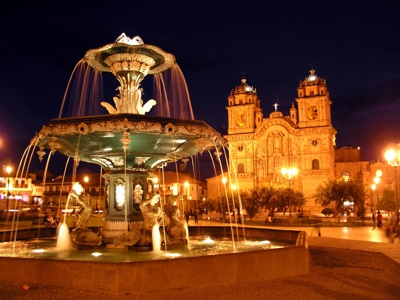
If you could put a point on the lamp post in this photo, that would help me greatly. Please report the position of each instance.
(289, 174)
(186, 184)
(8, 170)
(86, 180)
(377, 180)
(392, 156)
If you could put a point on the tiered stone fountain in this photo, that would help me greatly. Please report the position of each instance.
(127, 144)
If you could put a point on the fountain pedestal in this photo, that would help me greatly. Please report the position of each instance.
(124, 191)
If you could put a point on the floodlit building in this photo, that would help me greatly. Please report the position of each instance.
(261, 146)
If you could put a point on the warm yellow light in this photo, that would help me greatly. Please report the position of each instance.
(186, 184)
(377, 180)
(289, 173)
(393, 157)
(8, 169)
(234, 187)
(86, 179)
(224, 180)
(373, 187)
(155, 180)
(378, 173)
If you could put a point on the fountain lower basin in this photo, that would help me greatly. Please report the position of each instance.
(167, 274)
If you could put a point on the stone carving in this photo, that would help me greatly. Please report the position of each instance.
(175, 230)
(152, 214)
(123, 38)
(129, 104)
(141, 160)
(116, 160)
(81, 236)
(83, 128)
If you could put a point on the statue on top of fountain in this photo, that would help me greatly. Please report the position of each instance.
(133, 104)
(130, 98)
(123, 38)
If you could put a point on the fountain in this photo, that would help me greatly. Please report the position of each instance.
(130, 146)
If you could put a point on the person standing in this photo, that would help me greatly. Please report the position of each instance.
(187, 217)
(373, 220)
(196, 216)
(379, 218)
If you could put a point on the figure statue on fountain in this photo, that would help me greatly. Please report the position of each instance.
(175, 230)
(81, 236)
(152, 215)
(83, 199)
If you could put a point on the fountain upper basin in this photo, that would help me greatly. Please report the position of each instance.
(149, 141)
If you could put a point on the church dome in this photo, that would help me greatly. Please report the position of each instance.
(313, 79)
(244, 88)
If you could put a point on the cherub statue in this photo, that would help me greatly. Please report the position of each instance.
(83, 199)
(175, 229)
(81, 236)
(152, 214)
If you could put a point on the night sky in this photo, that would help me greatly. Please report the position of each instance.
(355, 48)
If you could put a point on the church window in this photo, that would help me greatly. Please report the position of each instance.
(250, 101)
(240, 148)
(322, 92)
(230, 102)
(240, 168)
(240, 101)
(311, 93)
(301, 94)
(315, 164)
(277, 161)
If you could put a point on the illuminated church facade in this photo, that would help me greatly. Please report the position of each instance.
(259, 146)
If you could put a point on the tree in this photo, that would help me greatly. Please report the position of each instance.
(252, 201)
(209, 204)
(282, 198)
(388, 201)
(339, 192)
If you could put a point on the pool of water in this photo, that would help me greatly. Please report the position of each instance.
(197, 246)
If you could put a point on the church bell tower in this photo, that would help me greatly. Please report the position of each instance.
(313, 102)
(244, 112)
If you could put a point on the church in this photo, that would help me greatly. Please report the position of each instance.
(260, 146)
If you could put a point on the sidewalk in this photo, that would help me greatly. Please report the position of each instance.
(364, 238)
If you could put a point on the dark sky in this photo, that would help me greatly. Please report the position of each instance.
(356, 48)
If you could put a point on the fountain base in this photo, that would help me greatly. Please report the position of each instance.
(176, 273)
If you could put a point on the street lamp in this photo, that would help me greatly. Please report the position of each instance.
(8, 170)
(289, 174)
(86, 180)
(186, 184)
(377, 180)
(392, 156)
